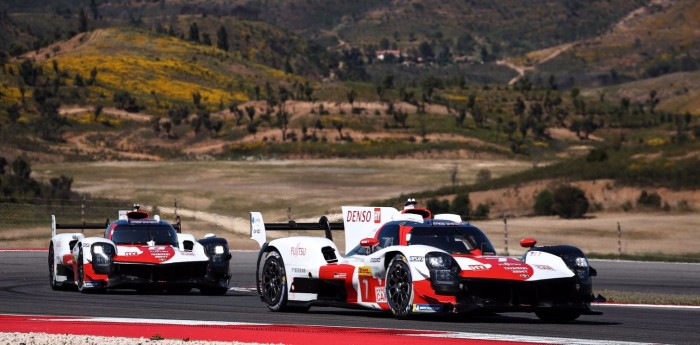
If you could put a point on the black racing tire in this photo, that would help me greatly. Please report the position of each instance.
(81, 273)
(274, 282)
(55, 285)
(399, 287)
(557, 315)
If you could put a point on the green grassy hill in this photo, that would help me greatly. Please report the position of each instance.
(653, 41)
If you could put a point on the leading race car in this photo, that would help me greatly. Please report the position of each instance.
(412, 262)
(137, 252)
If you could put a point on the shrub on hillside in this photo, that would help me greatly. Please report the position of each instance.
(461, 205)
(570, 202)
(544, 200)
(482, 211)
(438, 206)
(650, 200)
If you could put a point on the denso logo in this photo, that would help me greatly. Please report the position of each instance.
(359, 216)
(298, 250)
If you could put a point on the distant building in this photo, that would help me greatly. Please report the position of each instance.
(382, 54)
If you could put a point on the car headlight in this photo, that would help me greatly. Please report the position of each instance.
(439, 261)
(581, 262)
(98, 249)
(218, 250)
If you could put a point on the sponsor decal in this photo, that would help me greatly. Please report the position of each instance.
(187, 253)
(364, 271)
(545, 267)
(298, 270)
(160, 253)
(415, 259)
(380, 294)
(375, 260)
(478, 267)
(85, 245)
(427, 307)
(340, 275)
(298, 250)
(377, 215)
(534, 253)
(359, 216)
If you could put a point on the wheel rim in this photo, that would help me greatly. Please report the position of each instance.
(398, 287)
(272, 282)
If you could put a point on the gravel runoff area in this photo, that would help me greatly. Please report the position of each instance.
(70, 339)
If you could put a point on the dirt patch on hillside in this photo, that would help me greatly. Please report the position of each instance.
(603, 195)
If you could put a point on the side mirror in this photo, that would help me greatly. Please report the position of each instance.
(528, 242)
(592, 272)
(369, 242)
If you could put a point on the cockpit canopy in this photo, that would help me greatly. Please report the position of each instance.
(135, 232)
(463, 239)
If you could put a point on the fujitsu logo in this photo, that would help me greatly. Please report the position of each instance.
(298, 250)
(377, 215)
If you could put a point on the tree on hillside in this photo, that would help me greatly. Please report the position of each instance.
(461, 205)
(206, 39)
(544, 200)
(94, 10)
(570, 202)
(194, 33)
(222, 38)
(250, 111)
(82, 21)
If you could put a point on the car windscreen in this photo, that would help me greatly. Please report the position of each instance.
(143, 233)
(453, 239)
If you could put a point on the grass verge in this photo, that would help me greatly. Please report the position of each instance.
(656, 256)
(648, 298)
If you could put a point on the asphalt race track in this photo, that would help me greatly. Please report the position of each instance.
(24, 289)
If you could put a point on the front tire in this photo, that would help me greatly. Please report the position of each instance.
(274, 282)
(399, 287)
(557, 316)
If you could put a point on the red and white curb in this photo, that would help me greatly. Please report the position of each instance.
(265, 333)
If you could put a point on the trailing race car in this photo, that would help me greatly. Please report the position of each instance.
(412, 262)
(137, 252)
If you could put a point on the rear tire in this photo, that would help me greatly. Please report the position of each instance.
(55, 285)
(81, 274)
(557, 315)
(274, 282)
(399, 287)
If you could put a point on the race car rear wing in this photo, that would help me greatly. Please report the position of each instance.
(76, 226)
(258, 228)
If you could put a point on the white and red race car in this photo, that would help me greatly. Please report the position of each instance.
(137, 252)
(410, 262)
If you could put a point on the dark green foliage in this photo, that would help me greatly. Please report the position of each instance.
(570, 202)
(82, 21)
(650, 200)
(438, 206)
(124, 100)
(222, 38)
(597, 155)
(461, 205)
(544, 201)
(29, 72)
(482, 211)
